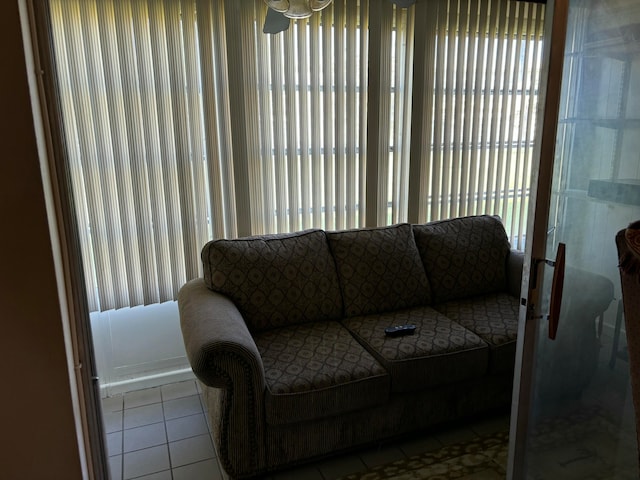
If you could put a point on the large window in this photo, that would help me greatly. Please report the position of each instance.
(183, 122)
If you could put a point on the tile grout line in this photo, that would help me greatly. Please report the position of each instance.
(164, 422)
(166, 434)
(122, 440)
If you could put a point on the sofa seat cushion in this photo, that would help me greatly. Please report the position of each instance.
(276, 280)
(439, 352)
(494, 318)
(464, 256)
(379, 269)
(317, 370)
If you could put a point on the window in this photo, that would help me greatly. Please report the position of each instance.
(183, 122)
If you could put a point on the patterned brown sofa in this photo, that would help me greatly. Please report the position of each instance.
(286, 334)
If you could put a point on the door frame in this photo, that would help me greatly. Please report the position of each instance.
(72, 273)
(556, 17)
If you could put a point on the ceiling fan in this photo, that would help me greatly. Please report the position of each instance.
(281, 12)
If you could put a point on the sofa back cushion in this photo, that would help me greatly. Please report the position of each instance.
(379, 269)
(464, 256)
(275, 280)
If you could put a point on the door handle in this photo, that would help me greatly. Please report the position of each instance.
(557, 286)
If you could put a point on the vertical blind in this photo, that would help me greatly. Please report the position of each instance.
(476, 103)
(183, 122)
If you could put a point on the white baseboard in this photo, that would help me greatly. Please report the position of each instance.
(148, 381)
(137, 348)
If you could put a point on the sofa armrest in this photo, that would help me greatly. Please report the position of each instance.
(212, 327)
(515, 263)
(223, 355)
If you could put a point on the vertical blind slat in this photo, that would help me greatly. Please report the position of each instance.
(179, 113)
(304, 120)
(534, 83)
(339, 121)
(506, 112)
(211, 174)
(380, 111)
(480, 58)
(448, 166)
(404, 133)
(107, 203)
(267, 127)
(316, 116)
(146, 208)
(521, 134)
(351, 117)
(363, 84)
(226, 208)
(293, 179)
(328, 116)
(194, 166)
(511, 149)
(169, 219)
(466, 68)
(437, 163)
(470, 119)
(278, 118)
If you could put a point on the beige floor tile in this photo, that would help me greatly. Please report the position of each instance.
(178, 390)
(166, 475)
(182, 407)
(185, 427)
(112, 421)
(144, 437)
(140, 398)
(145, 462)
(114, 443)
(191, 450)
(206, 470)
(146, 415)
(115, 467)
(112, 404)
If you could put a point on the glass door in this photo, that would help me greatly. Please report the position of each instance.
(572, 414)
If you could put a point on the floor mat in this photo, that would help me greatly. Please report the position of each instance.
(583, 445)
(484, 456)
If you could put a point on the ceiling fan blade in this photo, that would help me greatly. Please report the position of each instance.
(275, 22)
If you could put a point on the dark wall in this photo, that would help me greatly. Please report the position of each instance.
(38, 429)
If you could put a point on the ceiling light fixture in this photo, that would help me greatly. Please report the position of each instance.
(297, 8)
(281, 12)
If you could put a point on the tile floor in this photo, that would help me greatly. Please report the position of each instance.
(161, 433)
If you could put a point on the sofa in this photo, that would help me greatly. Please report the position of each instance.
(286, 334)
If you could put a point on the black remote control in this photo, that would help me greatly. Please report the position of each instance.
(400, 330)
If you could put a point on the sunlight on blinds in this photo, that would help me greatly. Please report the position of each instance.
(480, 97)
(184, 122)
(310, 100)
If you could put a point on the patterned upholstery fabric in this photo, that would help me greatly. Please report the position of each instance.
(439, 352)
(379, 269)
(464, 257)
(494, 318)
(317, 370)
(298, 384)
(275, 280)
